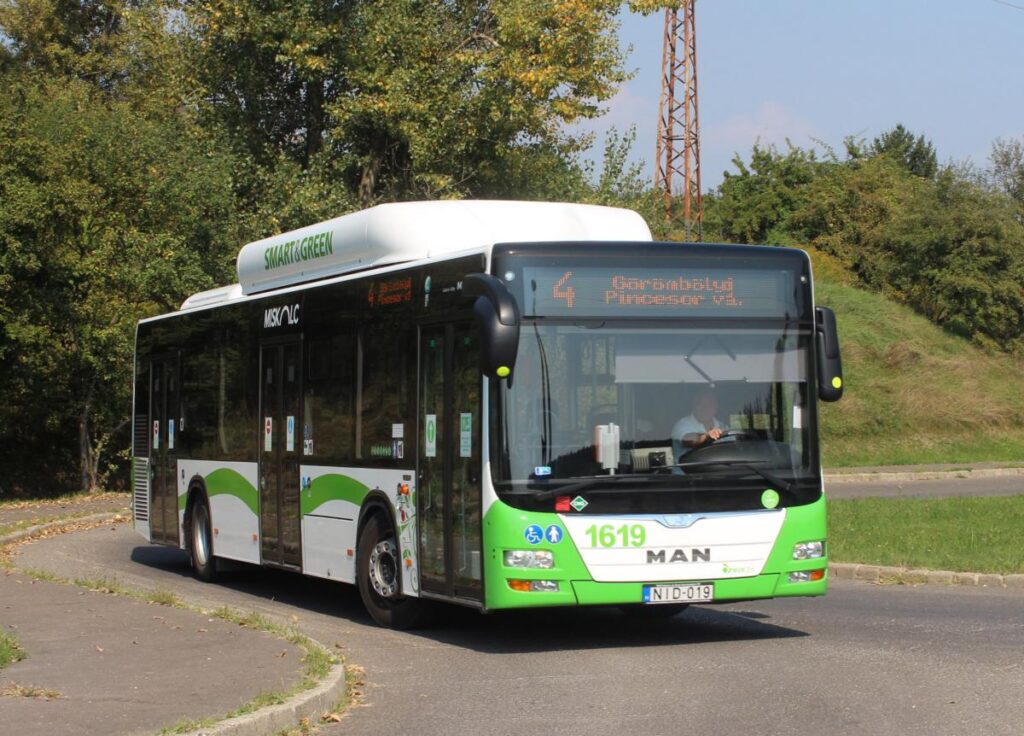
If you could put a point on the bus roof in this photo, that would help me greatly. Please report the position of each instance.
(411, 231)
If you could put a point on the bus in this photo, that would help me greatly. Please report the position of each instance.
(475, 402)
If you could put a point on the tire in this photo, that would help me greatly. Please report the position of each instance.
(201, 542)
(379, 575)
(649, 612)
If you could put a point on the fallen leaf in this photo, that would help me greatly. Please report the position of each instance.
(99, 648)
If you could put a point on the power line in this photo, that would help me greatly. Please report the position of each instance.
(1009, 5)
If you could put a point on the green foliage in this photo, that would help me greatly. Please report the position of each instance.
(108, 213)
(408, 100)
(754, 204)
(916, 155)
(945, 243)
(10, 652)
(1008, 168)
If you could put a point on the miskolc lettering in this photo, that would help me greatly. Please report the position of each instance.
(277, 316)
(655, 556)
(305, 249)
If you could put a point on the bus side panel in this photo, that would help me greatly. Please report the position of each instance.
(329, 548)
(234, 505)
(332, 498)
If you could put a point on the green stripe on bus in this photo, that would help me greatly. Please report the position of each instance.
(232, 483)
(332, 487)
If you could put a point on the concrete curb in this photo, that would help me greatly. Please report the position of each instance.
(28, 532)
(311, 704)
(898, 476)
(883, 574)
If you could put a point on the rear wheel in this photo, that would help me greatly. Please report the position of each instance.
(201, 542)
(379, 574)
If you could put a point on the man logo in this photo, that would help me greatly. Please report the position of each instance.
(678, 555)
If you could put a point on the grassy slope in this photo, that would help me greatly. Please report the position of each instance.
(914, 393)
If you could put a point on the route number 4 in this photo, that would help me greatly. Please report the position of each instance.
(568, 293)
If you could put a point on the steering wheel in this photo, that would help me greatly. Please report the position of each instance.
(739, 434)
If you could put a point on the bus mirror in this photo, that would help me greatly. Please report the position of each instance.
(830, 363)
(498, 315)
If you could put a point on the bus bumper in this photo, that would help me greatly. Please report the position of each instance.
(568, 582)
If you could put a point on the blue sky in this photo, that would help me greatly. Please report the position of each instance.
(825, 69)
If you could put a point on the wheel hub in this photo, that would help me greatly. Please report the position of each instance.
(199, 537)
(384, 568)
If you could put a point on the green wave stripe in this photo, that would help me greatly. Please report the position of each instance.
(332, 487)
(232, 483)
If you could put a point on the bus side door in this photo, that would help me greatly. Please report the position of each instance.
(280, 423)
(449, 442)
(164, 413)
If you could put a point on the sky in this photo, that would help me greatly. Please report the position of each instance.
(822, 70)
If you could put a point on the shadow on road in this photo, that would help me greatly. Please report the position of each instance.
(505, 632)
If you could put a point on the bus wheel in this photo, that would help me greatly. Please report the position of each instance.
(379, 577)
(201, 542)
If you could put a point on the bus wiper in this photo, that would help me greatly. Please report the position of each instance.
(751, 465)
(599, 482)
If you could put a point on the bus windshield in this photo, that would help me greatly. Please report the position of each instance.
(654, 393)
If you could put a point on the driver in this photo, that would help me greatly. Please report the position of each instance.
(701, 426)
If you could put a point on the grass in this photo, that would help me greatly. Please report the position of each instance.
(14, 690)
(10, 652)
(914, 393)
(958, 534)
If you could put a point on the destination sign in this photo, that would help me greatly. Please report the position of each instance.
(657, 292)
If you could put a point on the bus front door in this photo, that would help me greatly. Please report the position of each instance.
(280, 423)
(163, 448)
(450, 461)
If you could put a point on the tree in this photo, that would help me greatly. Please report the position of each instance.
(398, 99)
(1008, 168)
(916, 155)
(754, 204)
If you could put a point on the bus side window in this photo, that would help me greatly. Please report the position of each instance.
(328, 432)
(388, 383)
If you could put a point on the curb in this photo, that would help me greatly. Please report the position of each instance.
(906, 576)
(273, 719)
(897, 476)
(28, 532)
(309, 704)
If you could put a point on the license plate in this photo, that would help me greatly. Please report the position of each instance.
(679, 593)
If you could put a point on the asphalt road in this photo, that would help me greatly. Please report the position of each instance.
(1010, 485)
(864, 659)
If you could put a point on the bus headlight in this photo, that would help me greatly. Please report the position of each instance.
(808, 550)
(534, 586)
(541, 558)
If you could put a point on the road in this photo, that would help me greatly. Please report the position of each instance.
(864, 659)
(1010, 485)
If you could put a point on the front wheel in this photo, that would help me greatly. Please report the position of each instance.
(379, 574)
(201, 542)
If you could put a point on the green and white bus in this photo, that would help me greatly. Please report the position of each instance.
(474, 402)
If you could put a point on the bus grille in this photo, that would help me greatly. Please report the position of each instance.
(140, 486)
(141, 448)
